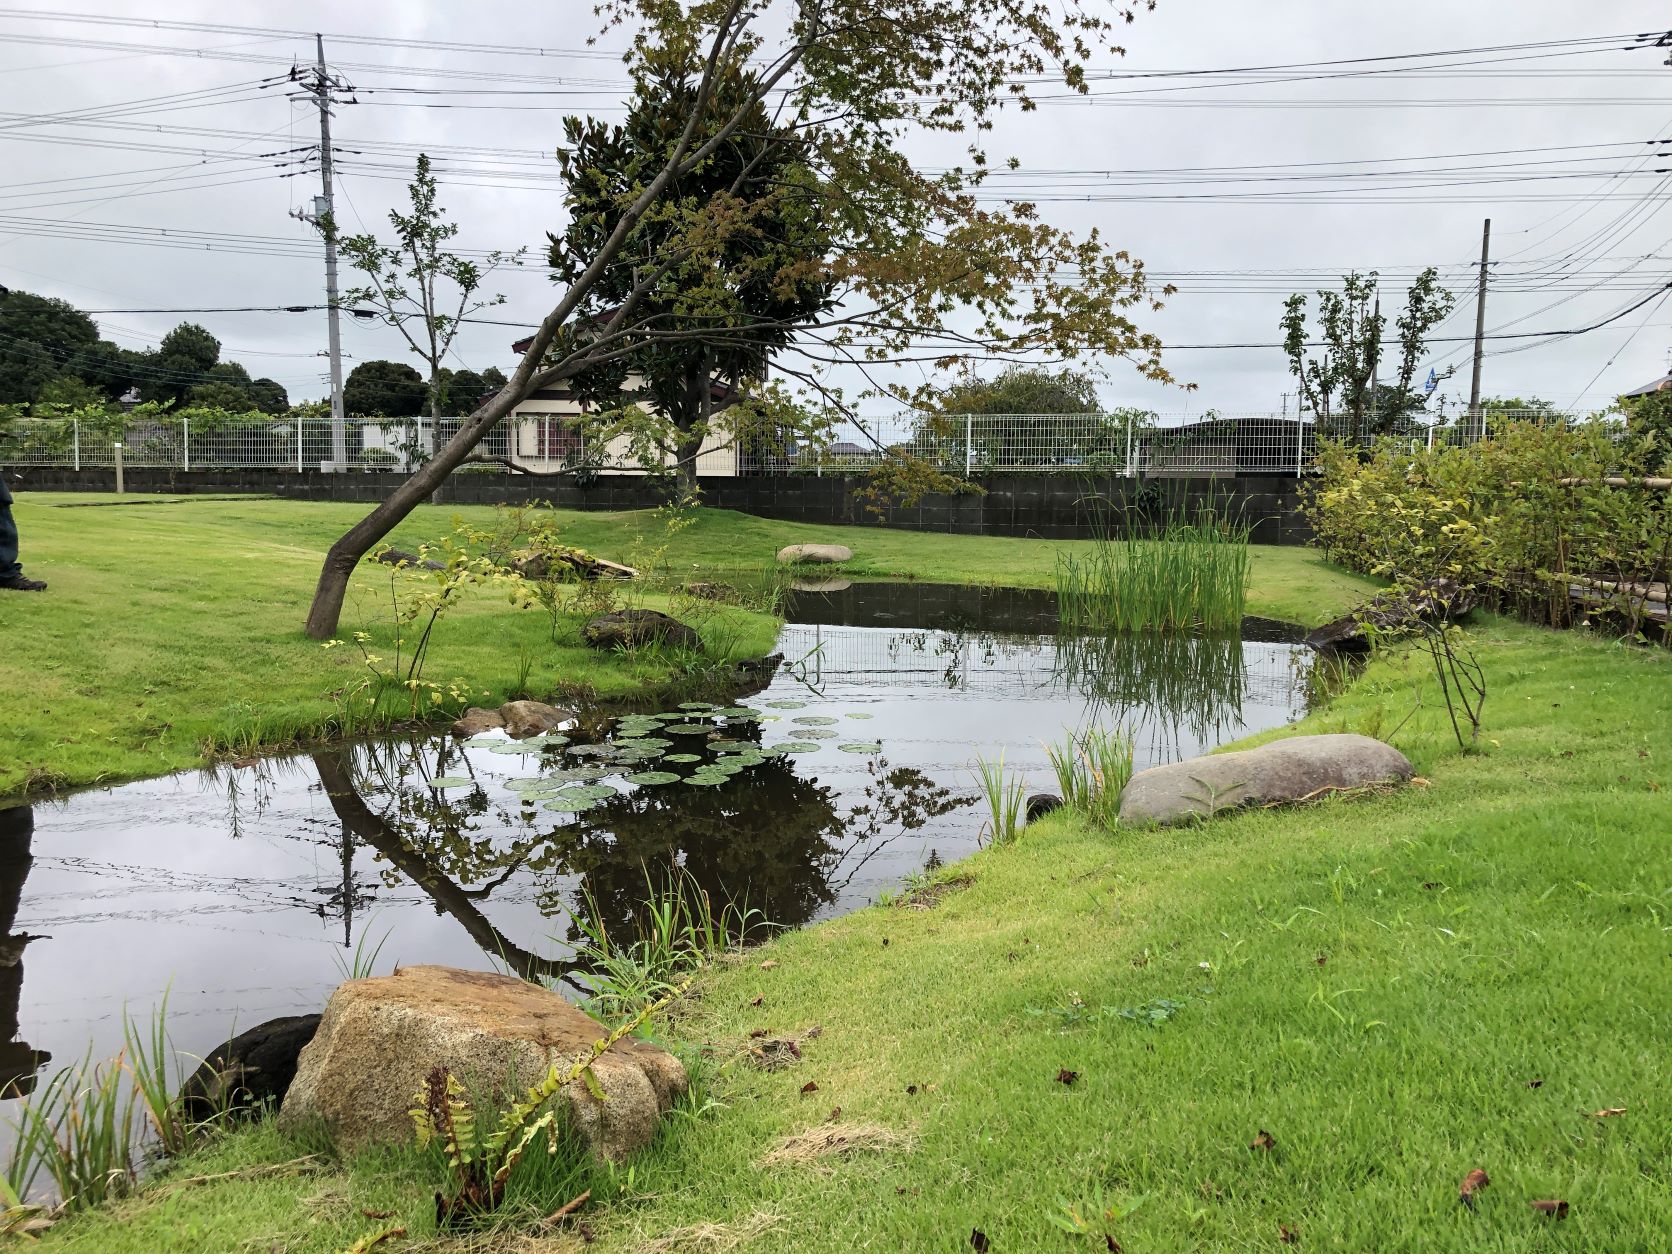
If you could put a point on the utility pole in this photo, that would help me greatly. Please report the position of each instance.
(1476, 427)
(324, 217)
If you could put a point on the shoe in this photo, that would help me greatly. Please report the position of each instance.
(17, 583)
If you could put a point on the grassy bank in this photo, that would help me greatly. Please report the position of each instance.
(1309, 1023)
(172, 625)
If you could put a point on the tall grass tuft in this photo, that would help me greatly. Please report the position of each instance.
(1006, 800)
(676, 931)
(1192, 576)
(1092, 771)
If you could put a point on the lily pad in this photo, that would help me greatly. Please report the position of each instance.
(652, 777)
(856, 714)
(724, 766)
(568, 803)
(699, 780)
(698, 705)
(788, 704)
(688, 729)
(551, 740)
(865, 746)
(730, 746)
(578, 774)
(485, 742)
(647, 742)
(740, 713)
(590, 751)
(796, 746)
(816, 733)
(451, 781)
(683, 757)
(598, 792)
(813, 720)
(511, 746)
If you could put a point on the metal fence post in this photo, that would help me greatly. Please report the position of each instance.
(1130, 472)
(75, 441)
(299, 421)
(1300, 443)
(185, 443)
(118, 447)
(969, 444)
(1431, 437)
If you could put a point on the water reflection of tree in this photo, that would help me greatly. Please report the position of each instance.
(769, 840)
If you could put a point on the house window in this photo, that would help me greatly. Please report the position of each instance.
(552, 439)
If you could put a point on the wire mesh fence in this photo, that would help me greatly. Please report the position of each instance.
(1120, 442)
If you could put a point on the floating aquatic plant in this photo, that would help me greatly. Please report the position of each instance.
(652, 777)
(816, 733)
(862, 746)
(813, 720)
(788, 704)
(796, 746)
(451, 781)
(856, 714)
(688, 729)
(683, 757)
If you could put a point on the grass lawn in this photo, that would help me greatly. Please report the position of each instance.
(172, 628)
(1337, 1012)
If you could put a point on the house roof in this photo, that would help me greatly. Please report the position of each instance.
(1661, 384)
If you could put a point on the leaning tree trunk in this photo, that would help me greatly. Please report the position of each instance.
(345, 554)
(686, 447)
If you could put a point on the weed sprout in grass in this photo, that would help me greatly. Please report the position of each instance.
(1191, 576)
(1006, 800)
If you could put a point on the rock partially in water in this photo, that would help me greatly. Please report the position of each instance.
(1438, 601)
(814, 555)
(704, 591)
(522, 719)
(380, 1039)
(475, 721)
(827, 584)
(1041, 804)
(634, 628)
(252, 1071)
(1296, 769)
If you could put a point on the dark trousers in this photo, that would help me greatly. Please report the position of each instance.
(9, 569)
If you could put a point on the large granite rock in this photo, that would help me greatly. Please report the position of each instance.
(627, 629)
(814, 555)
(380, 1038)
(522, 719)
(1438, 601)
(252, 1071)
(475, 721)
(1285, 770)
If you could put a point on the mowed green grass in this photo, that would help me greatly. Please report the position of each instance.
(1397, 989)
(172, 627)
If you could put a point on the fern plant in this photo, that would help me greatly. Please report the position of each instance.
(481, 1153)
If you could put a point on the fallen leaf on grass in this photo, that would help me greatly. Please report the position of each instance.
(911, 1090)
(1417, 781)
(1553, 1208)
(1608, 1113)
(811, 1086)
(1066, 1077)
(376, 1239)
(1431, 885)
(1535, 1084)
(1110, 1244)
(835, 1114)
(1473, 1183)
(769, 964)
(377, 1214)
(1287, 1235)
(979, 1241)
(757, 1001)
(1321, 959)
(1265, 1141)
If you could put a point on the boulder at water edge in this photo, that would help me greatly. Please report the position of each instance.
(814, 555)
(380, 1038)
(532, 718)
(1285, 770)
(253, 1070)
(476, 720)
(626, 629)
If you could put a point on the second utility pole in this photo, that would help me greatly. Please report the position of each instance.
(326, 214)
(1476, 427)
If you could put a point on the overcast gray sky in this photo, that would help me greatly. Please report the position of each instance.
(1577, 206)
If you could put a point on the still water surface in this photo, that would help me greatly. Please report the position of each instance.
(239, 891)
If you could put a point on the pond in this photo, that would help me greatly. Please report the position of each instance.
(242, 892)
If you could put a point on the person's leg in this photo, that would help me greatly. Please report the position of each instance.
(9, 568)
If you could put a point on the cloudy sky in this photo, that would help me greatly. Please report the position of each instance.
(155, 166)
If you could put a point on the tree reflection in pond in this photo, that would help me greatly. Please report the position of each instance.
(769, 840)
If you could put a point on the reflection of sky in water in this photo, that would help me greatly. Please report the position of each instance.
(227, 890)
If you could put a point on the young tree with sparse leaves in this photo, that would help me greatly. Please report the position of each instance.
(416, 285)
(1339, 385)
(920, 271)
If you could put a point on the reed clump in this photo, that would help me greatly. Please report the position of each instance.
(1092, 770)
(1191, 576)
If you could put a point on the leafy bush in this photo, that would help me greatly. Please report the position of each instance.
(1522, 514)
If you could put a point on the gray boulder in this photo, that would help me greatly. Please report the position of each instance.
(633, 628)
(814, 555)
(522, 719)
(1295, 769)
(476, 720)
(380, 1039)
(252, 1071)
